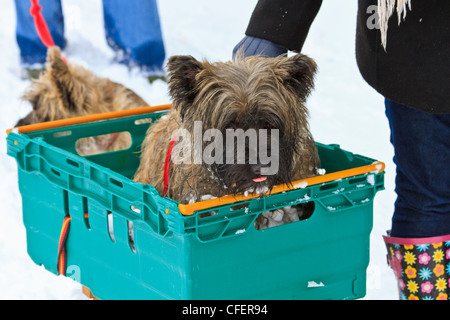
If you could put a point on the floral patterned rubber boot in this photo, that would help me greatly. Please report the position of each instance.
(421, 266)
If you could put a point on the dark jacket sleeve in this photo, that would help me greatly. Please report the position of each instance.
(284, 22)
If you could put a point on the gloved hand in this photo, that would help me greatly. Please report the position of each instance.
(251, 46)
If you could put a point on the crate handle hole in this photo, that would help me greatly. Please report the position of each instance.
(103, 143)
(281, 216)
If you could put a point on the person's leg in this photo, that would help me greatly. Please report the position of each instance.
(32, 50)
(133, 30)
(422, 154)
(419, 242)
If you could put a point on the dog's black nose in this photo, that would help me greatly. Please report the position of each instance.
(256, 168)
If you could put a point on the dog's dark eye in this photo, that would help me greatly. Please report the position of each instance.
(270, 125)
(231, 126)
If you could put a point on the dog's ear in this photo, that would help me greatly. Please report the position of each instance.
(60, 76)
(301, 70)
(183, 71)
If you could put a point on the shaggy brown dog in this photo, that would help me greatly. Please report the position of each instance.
(254, 93)
(251, 93)
(65, 90)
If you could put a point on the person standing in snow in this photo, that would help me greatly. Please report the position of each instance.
(405, 57)
(132, 30)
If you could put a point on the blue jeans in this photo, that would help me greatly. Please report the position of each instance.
(422, 155)
(32, 50)
(132, 27)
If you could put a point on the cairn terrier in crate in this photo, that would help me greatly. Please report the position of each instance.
(235, 127)
(66, 90)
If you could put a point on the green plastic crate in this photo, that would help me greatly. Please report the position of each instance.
(178, 256)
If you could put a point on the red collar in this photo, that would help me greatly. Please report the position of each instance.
(167, 165)
(112, 137)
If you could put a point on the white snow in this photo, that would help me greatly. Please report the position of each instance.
(321, 171)
(313, 284)
(371, 179)
(305, 198)
(343, 110)
(301, 185)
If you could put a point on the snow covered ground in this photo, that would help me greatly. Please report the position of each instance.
(343, 108)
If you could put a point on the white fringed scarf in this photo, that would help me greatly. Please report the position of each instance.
(385, 11)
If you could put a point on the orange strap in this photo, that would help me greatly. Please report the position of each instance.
(62, 253)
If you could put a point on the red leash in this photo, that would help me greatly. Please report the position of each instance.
(167, 165)
(41, 25)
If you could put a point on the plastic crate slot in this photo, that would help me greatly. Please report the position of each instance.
(55, 172)
(62, 134)
(72, 163)
(143, 121)
(116, 182)
(358, 180)
(329, 186)
(240, 206)
(86, 213)
(135, 209)
(66, 202)
(110, 224)
(131, 235)
(207, 214)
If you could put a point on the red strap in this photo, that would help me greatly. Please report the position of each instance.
(167, 165)
(114, 136)
(62, 254)
(108, 142)
(41, 25)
